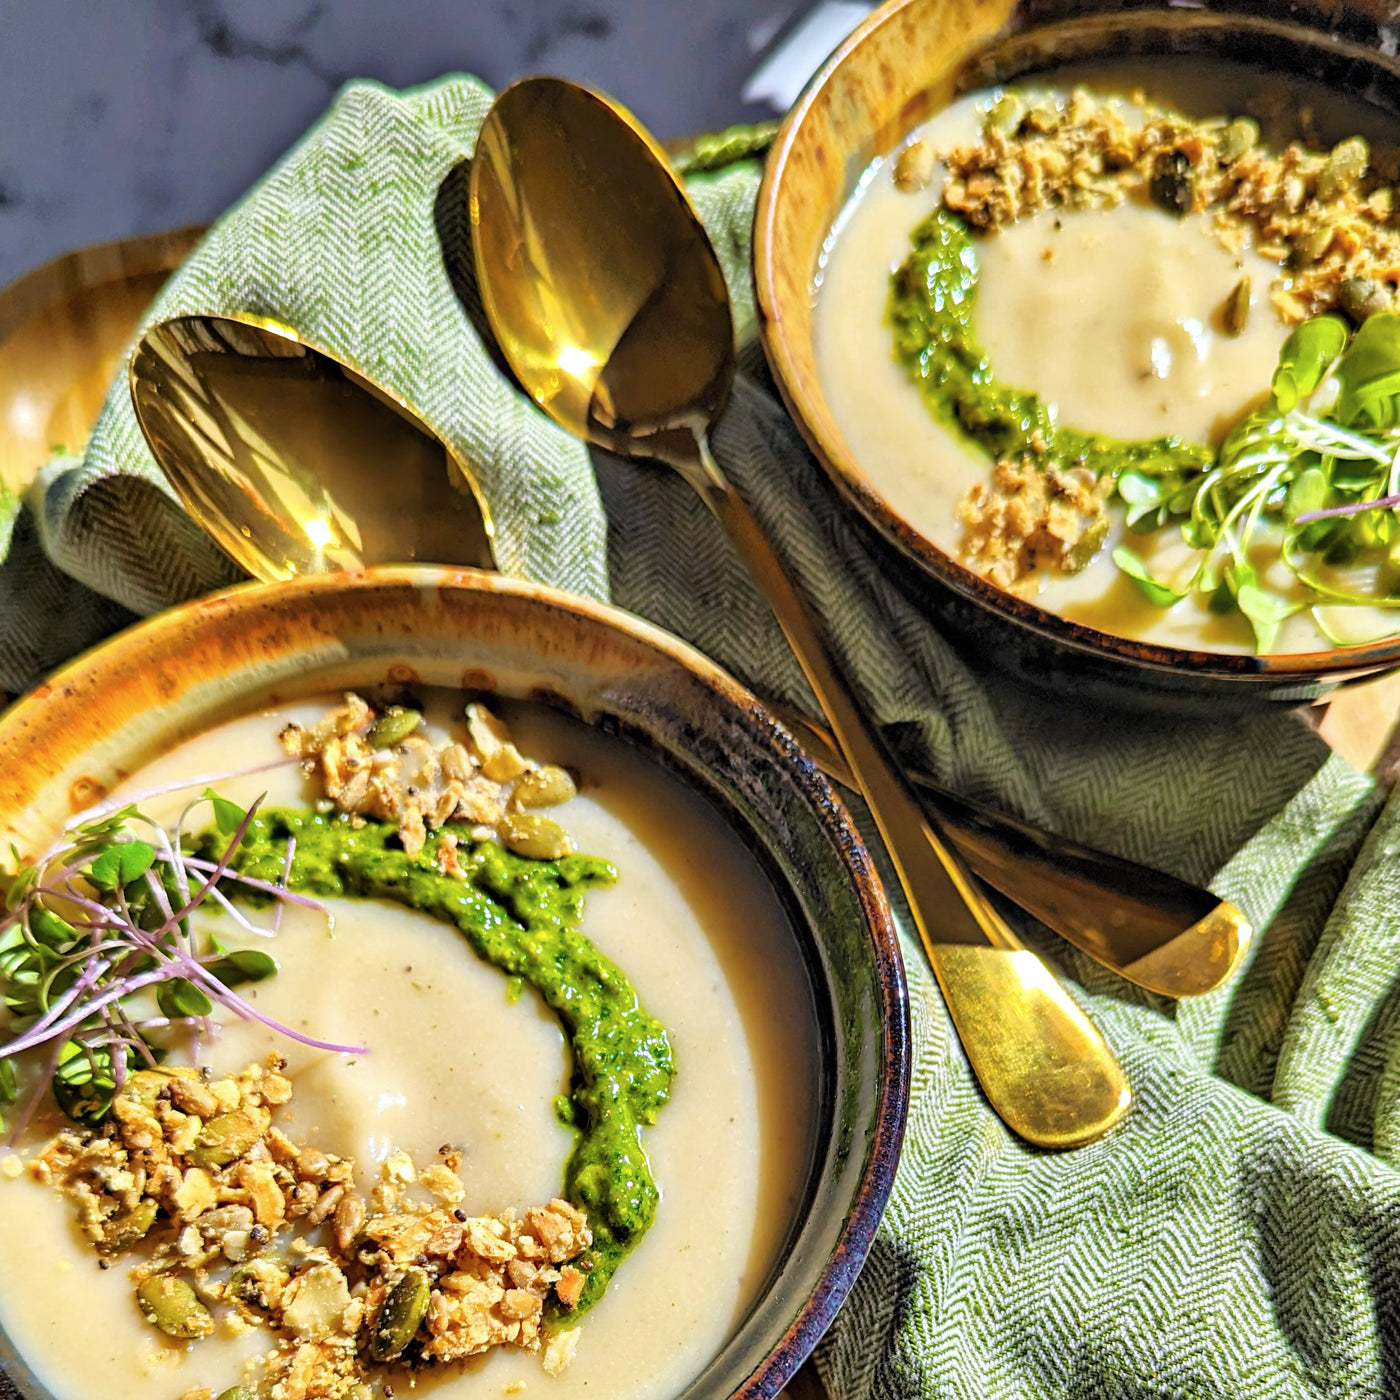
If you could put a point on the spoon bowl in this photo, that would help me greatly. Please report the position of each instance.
(626, 349)
(295, 461)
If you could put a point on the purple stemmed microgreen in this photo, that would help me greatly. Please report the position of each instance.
(105, 914)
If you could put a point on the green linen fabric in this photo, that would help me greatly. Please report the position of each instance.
(1239, 1234)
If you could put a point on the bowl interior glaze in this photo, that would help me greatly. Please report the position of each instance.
(906, 62)
(170, 678)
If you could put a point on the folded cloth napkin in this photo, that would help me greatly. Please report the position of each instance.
(1239, 1234)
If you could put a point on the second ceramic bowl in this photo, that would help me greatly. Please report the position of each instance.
(906, 62)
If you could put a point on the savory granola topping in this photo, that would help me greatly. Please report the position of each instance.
(1306, 470)
(1029, 517)
(238, 1226)
(381, 766)
(1324, 216)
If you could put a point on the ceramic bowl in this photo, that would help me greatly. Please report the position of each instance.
(176, 675)
(907, 61)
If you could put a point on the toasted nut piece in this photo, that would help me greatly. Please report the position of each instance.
(312, 1164)
(258, 1284)
(545, 787)
(330, 1199)
(500, 759)
(226, 1138)
(570, 1286)
(314, 1303)
(170, 1304)
(537, 838)
(124, 1231)
(190, 1096)
(913, 167)
(404, 1309)
(393, 727)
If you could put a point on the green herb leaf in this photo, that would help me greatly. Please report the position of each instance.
(228, 816)
(1163, 594)
(1369, 373)
(1266, 613)
(1142, 495)
(244, 965)
(84, 1082)
(1307, 493)
(1306, 357)
(9, 1083)
(120, 863)
(48, 928)
(179, 998)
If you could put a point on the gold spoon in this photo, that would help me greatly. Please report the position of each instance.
(607, 299)
(278, 448)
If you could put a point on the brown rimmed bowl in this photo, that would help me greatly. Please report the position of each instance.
(172, 677)
(907, 61)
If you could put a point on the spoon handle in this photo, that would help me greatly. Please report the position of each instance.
(1152, 929)
(1042, 1063)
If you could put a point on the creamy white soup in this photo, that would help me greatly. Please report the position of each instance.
(457, 1059)
(1120, 319)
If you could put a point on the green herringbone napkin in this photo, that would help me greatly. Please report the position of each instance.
(1239, 1235)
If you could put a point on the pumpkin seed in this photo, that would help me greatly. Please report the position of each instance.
(145, 1086)
(1312, 246)
(236, 1392)
(1235, 313)
(393, 727)
(404, 1309)
(170, 1304)
(1345, 167)
(226, 1138)
(546, 786)
(1363, 297)
(537, 838)
(124, 1231)
(1172, 184)
(1240, 136)
(1005, 113)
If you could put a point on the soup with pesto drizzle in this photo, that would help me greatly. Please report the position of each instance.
(1127, 345)
(578, 1052)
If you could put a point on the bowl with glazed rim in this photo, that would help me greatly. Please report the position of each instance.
(181, 673)
(908, 61)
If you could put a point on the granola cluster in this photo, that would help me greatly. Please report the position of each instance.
(381, 765)
(1031, 516)
(1325, 217)
(240, 1227)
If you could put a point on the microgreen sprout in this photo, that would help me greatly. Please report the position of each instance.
(105, 914)
(1319, 463)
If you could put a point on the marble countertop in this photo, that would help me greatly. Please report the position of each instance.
(128, 117)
